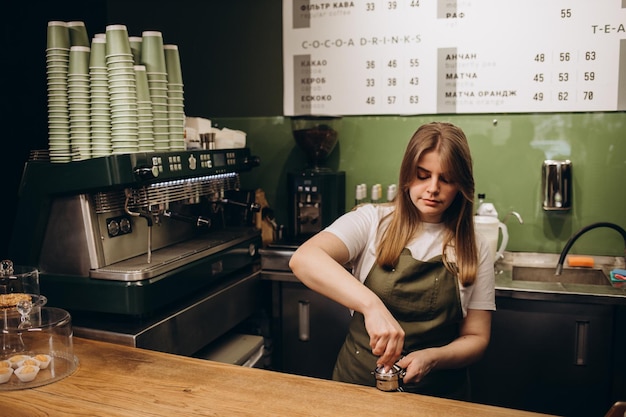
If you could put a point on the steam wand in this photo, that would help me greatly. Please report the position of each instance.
(254, 207)
(148, 218)
(196, 220)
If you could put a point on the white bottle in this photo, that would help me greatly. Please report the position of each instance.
(360, 194)
(392, 191)
(485, 208)
(377, 193)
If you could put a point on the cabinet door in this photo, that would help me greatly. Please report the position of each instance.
(547, 357)
(313, 330)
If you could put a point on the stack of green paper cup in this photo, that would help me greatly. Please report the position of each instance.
(144, 110)
(175, 98)
(153, 58)
(122, 91)
(57, 66)
(100, 104)
(79, 97)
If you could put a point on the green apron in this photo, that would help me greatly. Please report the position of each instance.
(424, 298)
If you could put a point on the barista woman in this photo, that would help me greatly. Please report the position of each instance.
(424, 288)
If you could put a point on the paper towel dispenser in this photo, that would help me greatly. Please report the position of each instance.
(556, 185)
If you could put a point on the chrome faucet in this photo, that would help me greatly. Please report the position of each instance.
(513, 213)
(570, 242)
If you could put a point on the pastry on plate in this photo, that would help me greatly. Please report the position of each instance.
(44, 360)
(5, 374)
(27, 373)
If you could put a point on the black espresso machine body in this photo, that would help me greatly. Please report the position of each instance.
(130, 234)
(316, 199)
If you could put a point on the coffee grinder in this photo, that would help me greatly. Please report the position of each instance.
(317, 193)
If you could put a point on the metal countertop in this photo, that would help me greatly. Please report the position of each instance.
(275, 266)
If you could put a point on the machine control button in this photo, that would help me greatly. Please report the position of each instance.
(157, 166)
(192, 162)
(205, 161)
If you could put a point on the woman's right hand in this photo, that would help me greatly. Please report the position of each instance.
(386, 336)
(318, 263)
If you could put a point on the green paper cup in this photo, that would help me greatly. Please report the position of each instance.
(78, 34)
(58, 35)
(98, 53)
(123, 82)
(152, 53)
(79, 60)
(172, 64)
(141, 82)
(117, 40)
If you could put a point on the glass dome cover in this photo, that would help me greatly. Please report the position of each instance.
(37, 346)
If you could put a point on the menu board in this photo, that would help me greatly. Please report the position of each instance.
(406, 57)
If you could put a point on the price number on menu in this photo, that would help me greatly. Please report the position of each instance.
(392, 83)
(571, 80)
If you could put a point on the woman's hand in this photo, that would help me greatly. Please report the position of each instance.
(386, 336)
(461, 352)
(417, 364)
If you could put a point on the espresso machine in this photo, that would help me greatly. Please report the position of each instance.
(317, 193)
(146, 248)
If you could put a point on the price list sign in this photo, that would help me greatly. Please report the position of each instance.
(431, 57)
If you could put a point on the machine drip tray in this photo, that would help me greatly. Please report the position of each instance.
(169, 258)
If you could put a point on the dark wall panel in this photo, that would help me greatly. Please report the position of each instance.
(231, 51)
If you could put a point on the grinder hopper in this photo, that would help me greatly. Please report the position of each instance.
(317, 136)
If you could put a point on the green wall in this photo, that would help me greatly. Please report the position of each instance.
(508, 152)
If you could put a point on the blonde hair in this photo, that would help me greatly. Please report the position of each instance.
(404, 222)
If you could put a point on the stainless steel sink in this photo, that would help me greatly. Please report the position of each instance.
(568, 276)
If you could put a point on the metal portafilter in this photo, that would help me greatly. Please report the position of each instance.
(390, 380)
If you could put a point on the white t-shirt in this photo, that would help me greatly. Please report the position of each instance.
(359, 231)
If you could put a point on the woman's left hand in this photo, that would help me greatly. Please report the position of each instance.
(417, 365)
(461, 352)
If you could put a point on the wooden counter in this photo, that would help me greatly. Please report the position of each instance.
(114, 380)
